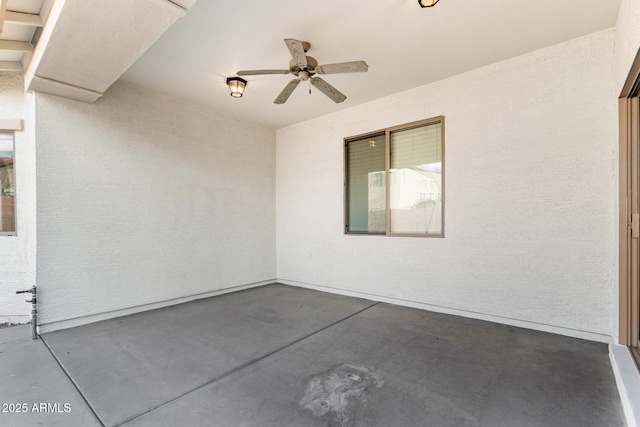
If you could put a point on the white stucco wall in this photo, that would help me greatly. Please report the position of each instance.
(627, 41)
(144, 199)
(530, 194)
(17, 253)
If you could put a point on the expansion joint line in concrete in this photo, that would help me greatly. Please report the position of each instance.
(244, 365)
(72, 381)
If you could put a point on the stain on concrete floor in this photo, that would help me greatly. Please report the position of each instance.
(337, 394)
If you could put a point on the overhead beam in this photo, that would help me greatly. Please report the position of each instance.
(3, 11)
(71, 58)
(13, 46)
(20, 18)
(11, 66)
(26, 59)
(41, 84)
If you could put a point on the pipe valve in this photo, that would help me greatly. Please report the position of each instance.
(34, 311)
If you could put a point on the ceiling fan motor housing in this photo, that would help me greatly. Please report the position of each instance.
(312, 63)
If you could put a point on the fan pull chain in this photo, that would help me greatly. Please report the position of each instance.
(309, 86)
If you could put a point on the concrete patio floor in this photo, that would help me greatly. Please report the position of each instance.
(285, 356)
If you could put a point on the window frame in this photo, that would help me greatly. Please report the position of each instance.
(387, 134)
(13, 233)
(373, 134)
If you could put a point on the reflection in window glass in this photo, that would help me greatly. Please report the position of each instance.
(415, 191)
(366, 185)
(7, 185)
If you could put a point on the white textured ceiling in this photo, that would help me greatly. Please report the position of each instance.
(404, 45)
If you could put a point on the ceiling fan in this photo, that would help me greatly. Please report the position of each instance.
(305, 67)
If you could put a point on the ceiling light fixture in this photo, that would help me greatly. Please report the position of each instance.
(427, 3)
(236, 86)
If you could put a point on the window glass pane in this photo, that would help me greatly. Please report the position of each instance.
(415, 192)
(366, 185)
(7, 184)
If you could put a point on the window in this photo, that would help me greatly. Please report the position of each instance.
(366, 200)
(7, 185)
(394, 181)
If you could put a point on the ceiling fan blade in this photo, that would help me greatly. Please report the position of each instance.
(297, 52)
(287, 91)
(328, 90)
(343, 67)
(259, 72)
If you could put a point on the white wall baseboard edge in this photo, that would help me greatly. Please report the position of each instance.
(628, 382)
(574, 333)
(15, 319)
(70, 323)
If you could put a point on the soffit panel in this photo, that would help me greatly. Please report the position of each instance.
(88, 44)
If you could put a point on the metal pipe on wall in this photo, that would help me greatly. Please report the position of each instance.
(34, 311)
